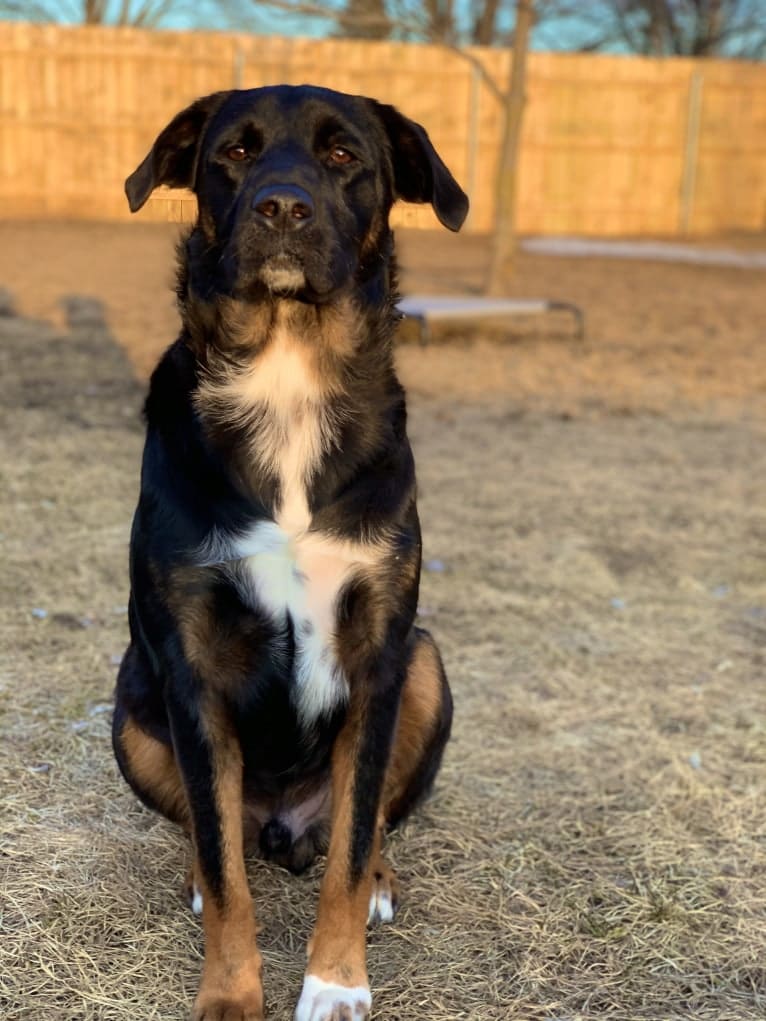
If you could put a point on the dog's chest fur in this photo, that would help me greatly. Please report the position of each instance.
(282, 565)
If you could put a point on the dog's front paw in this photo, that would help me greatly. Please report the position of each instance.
(227, 1008)
(325, 1001)
(226, 1003)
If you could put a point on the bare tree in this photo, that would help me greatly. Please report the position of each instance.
(364, 19)
(504, 238)
(482, 22)
(138, 13)
(659, 28)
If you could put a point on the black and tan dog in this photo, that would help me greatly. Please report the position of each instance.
(276, 693)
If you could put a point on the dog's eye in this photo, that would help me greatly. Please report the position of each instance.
(236, 153)
(341, 157)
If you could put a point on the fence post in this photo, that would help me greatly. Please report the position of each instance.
(691, 151)
(473, 139)
(50, 68)
(238, 67)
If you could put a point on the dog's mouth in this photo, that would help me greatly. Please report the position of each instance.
(282, 275)
(310, 268)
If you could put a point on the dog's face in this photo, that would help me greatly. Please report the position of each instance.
(295, 184)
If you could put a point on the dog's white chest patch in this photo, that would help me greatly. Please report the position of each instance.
(301, 576)
(281, 565)
(294, 428)
(297, 576)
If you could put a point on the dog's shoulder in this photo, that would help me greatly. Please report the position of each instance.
(186, 485)
(171, 385)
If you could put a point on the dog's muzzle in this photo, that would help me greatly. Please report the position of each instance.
(282, 210)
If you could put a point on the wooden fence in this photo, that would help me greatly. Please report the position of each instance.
(611, 145)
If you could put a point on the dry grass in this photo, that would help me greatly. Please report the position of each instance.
(595, 845)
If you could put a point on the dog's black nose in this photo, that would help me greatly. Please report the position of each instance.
(283, 206)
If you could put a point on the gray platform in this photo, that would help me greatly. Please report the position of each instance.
(662, 251)
(427, 309)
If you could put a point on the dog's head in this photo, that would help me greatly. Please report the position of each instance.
(295, 184)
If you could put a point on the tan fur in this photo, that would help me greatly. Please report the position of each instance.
(330, 334)
(232, 970)
(221, 656)
(418, 713)
(231, 984)
(153, 767)
(338, 952)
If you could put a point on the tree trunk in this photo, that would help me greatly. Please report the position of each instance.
(504, 242)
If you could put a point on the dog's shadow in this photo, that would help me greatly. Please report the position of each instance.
(81, 377)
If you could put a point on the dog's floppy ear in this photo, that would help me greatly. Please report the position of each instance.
(172, 160)
(419, 172)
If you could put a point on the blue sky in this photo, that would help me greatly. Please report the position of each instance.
(592, 17)
(241, 15)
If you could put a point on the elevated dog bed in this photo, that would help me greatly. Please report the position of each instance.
(428, 309)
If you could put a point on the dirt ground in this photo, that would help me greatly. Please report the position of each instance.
(594, 516)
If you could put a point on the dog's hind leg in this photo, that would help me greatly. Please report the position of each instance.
(422, 731)
(423, 727)
(150, 768)
(147, 763)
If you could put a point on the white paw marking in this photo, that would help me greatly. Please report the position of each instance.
(196, 904)
(319, 999)
(381, 907)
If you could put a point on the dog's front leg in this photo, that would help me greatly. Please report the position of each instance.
(336, 984)
(210, 760)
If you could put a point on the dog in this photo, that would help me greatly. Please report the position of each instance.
(276, 694)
